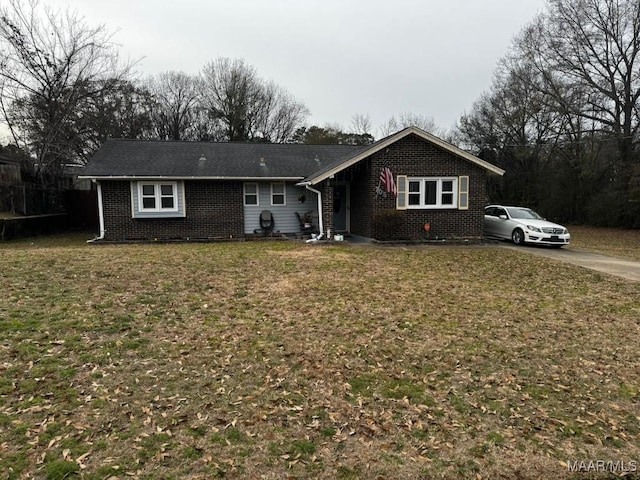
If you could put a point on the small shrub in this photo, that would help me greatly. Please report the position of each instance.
(387, 224)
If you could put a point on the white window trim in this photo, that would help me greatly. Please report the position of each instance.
(439, 192)
(284, 194)
(157, 190)
(257, 194)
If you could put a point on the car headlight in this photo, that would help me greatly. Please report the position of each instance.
(534, 229)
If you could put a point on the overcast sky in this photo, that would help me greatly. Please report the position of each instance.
(340, 57)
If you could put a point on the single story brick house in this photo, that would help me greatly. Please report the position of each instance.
(410, 185)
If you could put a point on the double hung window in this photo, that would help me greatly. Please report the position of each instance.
(158, 196)
(251, 194)
(278, 196)
(432, 192)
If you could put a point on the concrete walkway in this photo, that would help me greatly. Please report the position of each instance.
(621, 267)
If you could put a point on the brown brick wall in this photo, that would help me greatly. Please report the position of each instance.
(214, 210)
(327, 207)
(413, 156)
(362, 184)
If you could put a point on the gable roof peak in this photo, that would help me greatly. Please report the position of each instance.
(334, 168)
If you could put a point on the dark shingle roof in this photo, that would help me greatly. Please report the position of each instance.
(180, 160)
(139, 158)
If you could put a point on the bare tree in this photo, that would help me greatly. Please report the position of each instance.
(511, 126)
(245, 106)
(405, 120)
(231, 90)
(51, 62)
(562, 116)
(361, 124)
(588, 50)
(175, 102)
(123, 111)
(280, 114)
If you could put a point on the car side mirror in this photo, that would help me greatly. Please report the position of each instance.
(502, 217)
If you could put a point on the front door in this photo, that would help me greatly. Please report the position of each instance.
(341, 207)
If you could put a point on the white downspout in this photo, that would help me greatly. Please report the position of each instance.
(100, 214)
(320, 222)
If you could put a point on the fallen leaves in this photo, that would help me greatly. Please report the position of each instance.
(410, 363)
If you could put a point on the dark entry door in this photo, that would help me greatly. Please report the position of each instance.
(341, 208)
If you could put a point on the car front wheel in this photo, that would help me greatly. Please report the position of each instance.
(518, 236)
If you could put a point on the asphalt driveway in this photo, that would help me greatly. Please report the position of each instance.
(621, 267)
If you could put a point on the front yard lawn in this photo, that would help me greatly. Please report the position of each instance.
(607, 241)
(284, 360)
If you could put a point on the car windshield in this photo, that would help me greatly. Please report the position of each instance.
(525, 213)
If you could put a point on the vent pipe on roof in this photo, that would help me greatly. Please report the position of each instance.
(263, 163)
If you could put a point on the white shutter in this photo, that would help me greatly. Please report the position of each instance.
(463, 192)
(401, 199)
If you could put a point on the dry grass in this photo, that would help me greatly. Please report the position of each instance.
(283, 360)
(608, 241)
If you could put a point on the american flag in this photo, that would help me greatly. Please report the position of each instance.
(386, 177)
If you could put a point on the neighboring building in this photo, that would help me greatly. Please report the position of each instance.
(9, 171)
(151, 190)
(10, 182)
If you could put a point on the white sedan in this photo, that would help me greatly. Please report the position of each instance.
(522, 225)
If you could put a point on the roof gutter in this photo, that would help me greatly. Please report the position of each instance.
(170, 177)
